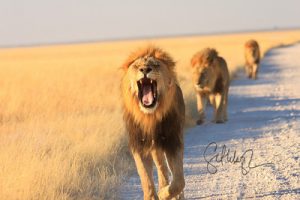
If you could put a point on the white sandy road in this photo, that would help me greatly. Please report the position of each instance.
(263, 120)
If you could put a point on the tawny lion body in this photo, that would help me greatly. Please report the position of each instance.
(252, 57)
(211, 81)
(154, 116)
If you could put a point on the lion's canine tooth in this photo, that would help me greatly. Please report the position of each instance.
(141, 82)
(151, 81)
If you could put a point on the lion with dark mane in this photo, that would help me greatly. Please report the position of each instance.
(211, 81)
(154, 115)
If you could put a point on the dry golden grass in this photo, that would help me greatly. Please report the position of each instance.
(61, 129)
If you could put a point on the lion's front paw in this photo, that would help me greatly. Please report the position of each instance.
(179, 197)
(164, 193)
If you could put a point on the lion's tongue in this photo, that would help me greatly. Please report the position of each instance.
(147, 95)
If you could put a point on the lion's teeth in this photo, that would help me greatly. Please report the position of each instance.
(151, 81)
(140, 81)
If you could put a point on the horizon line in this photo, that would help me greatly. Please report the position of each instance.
(42, 44)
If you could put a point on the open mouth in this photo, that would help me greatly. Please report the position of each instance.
(147, 92)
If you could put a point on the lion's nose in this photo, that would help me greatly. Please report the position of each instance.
(145, 70)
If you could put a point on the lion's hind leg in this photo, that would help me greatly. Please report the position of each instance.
(219, 108)
(225, 105)
(248, 69)
(254, 71)
(175, 189)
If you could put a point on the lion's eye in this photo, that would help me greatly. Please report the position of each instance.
(156, 64)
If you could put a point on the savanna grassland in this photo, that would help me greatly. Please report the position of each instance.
(61, 129)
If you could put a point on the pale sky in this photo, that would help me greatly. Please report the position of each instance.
(24, 22)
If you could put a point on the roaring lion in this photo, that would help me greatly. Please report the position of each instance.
(211, 81)
(154, 114)
(252, 57)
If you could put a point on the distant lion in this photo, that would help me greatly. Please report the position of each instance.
(154, 114)
(252, 57)
(211, 81)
